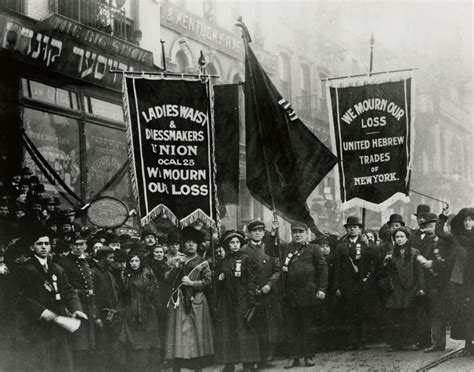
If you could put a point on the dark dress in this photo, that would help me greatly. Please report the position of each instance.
(138, 325)
(235, 342)
(407, 278)
(106, 299)
(49, 348)
(461, 242)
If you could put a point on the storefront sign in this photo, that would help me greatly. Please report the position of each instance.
(107, 212)
(70, 48)
(372, 134)
(171, 149)
(208, 33)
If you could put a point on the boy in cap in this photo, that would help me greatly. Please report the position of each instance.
(269, 328)
(306, 277)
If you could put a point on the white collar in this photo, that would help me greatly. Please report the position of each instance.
(256, 243)
(42, 261)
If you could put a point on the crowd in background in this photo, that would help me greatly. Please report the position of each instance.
(150, 302)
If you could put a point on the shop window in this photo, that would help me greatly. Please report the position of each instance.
(49, 94)
(106, 152)
(103, 109)
(57, 139)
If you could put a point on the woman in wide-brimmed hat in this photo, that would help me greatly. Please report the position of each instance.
(461, 239)
(189, 340)
(236, 286)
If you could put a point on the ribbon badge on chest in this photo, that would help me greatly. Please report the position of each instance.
(358, 249)
(55, 286)
(287, 262)
(238, 268)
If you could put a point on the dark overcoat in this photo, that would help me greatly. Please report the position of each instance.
(49, 348)
(235, 341)
(137, 314)
(407, 276)
(306, 275)
(271, 325)
(79, 273)
(354, 276)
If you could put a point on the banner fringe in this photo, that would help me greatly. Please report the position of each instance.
(210, 91)
(130, 152)
(198, 215)
(357, 202)
(359, 81)
(157, 212)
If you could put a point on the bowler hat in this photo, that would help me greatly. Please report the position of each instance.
(430, 217)
(299, 226)
(353, 221)
(396, 218)
(422, 209)
(255, 224)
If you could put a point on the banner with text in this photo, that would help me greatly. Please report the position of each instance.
(372, 133)
(171, 148)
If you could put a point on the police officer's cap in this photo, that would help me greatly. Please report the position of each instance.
(256, 224)
(299, 226)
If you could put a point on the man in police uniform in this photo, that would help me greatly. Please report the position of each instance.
(269, 324)
(306, 278)
(78, 269)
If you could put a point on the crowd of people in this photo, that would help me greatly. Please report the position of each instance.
(147, 303)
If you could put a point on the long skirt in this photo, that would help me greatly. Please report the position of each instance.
(401, 327)
(189, 334)
(462, 314)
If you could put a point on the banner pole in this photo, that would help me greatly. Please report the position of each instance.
(371, 68)
(163, 56)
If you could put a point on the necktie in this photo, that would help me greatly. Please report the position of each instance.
(45, 268)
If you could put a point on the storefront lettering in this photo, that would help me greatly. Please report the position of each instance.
(41, 47)
(90, 60)
(96, 64)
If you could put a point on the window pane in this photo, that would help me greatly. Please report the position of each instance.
(57, 139)
(106, 153)
(46, 93)
(105, 109)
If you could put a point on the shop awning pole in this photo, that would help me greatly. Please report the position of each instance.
(163, 74)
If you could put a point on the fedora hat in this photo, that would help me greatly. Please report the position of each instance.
(396, 218)
(422, 209)
(352, 221)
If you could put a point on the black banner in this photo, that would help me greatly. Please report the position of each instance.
(372, 134)
(226, 113)
(171, 148)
